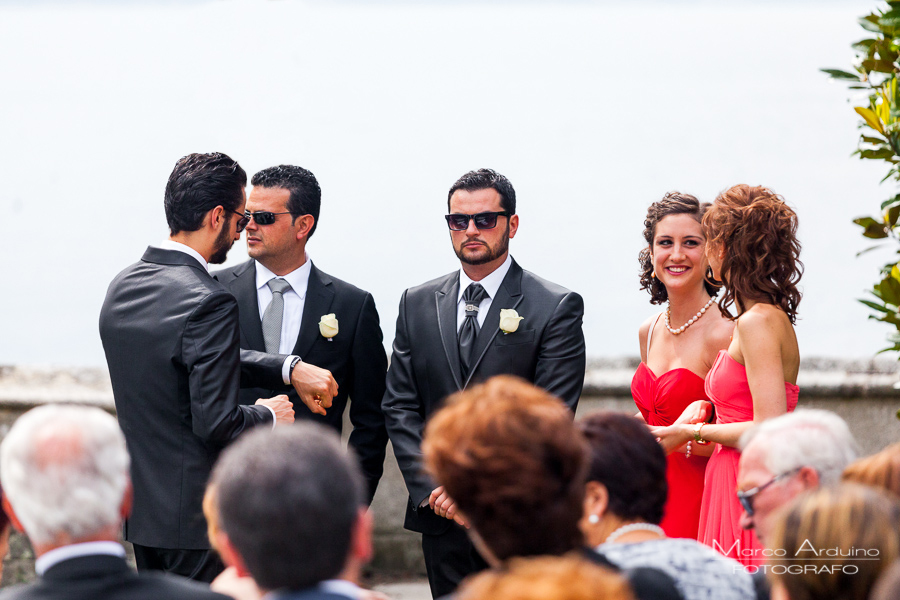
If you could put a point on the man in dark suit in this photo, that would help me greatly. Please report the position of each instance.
(292, 509)
(489, 318)
(284, 209)
(66, 486)
(171, 337)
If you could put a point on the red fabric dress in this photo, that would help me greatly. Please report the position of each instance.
(720, 513)
(661, 400)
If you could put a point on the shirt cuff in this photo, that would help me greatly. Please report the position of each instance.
(274, 418)
(286, 369)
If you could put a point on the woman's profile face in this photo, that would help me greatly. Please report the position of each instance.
(678, 252)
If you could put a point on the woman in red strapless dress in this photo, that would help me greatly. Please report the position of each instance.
(679, 346)
(752, 247)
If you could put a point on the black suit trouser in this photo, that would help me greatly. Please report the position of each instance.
(449, 558)
(199, 565)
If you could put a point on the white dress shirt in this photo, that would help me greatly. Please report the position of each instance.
(58, 555)
(294, 300)
(491, 285)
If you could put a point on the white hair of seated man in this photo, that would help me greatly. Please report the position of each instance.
(65, 472)
(806, 437)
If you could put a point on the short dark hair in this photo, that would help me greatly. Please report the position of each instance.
(628, 461)
(483, 179)
(198, 184)
(306, 195)
(288, 500)
(509, 454)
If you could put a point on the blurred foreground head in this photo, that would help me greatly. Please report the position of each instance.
(65, 475)
(291, 507)
(834, 543)
(559, 578)
(510, 456)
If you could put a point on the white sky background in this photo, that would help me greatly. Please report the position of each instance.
(593, 110)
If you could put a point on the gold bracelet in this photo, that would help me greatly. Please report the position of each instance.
(698, 434)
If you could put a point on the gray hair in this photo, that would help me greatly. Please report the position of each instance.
(64, 470)
(808, 437)
(288, 500)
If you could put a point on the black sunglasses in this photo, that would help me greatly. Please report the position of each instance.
(242, 222)
(485, 220)
(263, 217)
(746, 498)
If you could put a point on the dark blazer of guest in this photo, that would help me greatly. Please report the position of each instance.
(171, 337)
(547, 350)
(355, 357)
(105, 577)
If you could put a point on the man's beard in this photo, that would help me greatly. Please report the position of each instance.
(491, 254)
(223, 244)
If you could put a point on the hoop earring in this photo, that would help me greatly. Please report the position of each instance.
(709, 278)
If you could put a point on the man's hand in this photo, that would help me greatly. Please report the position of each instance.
(284, 410)
(444, 506)
(316, 387)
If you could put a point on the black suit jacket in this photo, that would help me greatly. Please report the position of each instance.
(104, 577)
(171, 336)
(547, 349)
(355, 357)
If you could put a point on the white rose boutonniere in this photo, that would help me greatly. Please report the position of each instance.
(328, 326)
(509, 320)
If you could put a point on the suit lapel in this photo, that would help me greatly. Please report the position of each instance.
(446, 300)
(244, 289)
(319, 297)
(508, 296)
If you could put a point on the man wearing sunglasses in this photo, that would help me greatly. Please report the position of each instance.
(450, 335)
(170, 334)
(787, 455)
(283, 208)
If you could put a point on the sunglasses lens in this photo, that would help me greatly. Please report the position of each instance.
(458, 222)
(486, 220)
(264, 217)
(747, 505)
(242, 223)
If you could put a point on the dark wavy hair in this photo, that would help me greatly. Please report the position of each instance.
(628, 461)
(511, 457)
(758, 231)
(673, 203)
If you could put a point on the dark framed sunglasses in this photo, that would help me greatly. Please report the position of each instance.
(242, 222)
(746, 498)
(485, 220)
(263, 217)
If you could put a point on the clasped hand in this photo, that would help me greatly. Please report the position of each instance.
(673, 436)
(315, 386)
(444, 506)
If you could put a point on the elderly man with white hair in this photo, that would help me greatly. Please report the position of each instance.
(64, 471)
(787, 455)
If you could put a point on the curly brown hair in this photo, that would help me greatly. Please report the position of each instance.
(510, 456)
(673, 203)
(758, 231)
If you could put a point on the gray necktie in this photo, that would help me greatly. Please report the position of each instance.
(271, 321)
(472, 296)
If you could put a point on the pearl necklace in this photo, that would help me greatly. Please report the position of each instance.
(691, 321)
(634, 527)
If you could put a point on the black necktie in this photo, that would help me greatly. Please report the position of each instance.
(472, 297)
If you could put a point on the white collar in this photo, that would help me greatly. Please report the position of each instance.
(341, 587)
(491, 283)
(58, 555)
(173, 245)
(298, 278)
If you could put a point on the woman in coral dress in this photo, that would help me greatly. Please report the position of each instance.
(752, 247)
(678, 346)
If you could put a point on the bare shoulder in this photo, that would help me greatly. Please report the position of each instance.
(719, 332)
(764, 326)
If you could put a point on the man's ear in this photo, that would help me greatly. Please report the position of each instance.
(127, 501)
(8, 509)
(809, 477)
(216, 218)
(361, 537)
(304, 225)
(230, 556)
(513, 225)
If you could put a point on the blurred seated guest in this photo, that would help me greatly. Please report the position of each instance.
(785, 456)
(66, 486)
(625, 497)
(291, 507)
(546, 577)
(4, 535)
(835, 543)
(881, 470)
(228, 582)
(888, 585)
(512, 465)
